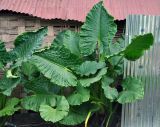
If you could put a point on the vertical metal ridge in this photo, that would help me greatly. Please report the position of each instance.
(146, 112)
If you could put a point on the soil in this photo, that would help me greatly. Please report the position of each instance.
(27, 120)
(32, 119)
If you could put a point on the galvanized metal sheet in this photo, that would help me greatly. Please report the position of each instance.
(146, 112)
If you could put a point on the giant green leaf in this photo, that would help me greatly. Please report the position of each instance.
(137, 46)
(28, 42)
(60, 55)
(10, 107)
(2, 100)
(133, 89)
(33, 102)
(8, 84)
(58, 74)
(74, 118)
(79, 96)
(1, 65)
(69, 39)
(4, 56)
(76, 115)
(28, 68)
(117, 60)
(109, 92)
(41, 85)
(57, 112)
(98, 29)
(89, 67)
(116, 47)
(88, 81)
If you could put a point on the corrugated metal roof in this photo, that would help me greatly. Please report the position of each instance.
(78, 9)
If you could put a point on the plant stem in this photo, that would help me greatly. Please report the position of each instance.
(116, 54)
(3, 99)
(119, 60)
(109, 119)
(110, 115)
(87, 119)
(4, 119)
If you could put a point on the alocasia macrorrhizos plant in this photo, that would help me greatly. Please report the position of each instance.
(76, 77)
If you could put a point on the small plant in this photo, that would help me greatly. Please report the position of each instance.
(77, 77)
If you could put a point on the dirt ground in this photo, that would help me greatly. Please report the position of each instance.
(31, 119)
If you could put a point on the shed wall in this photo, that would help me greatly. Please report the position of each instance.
(13, 24)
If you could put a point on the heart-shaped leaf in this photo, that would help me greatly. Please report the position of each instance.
(133, 89)
(98, 30)
(56, 113)
(79, 96)
(137, 46)
(109, 92)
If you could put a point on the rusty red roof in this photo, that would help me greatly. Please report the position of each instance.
(78, 9)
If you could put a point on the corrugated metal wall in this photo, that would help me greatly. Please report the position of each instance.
(144, 113)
